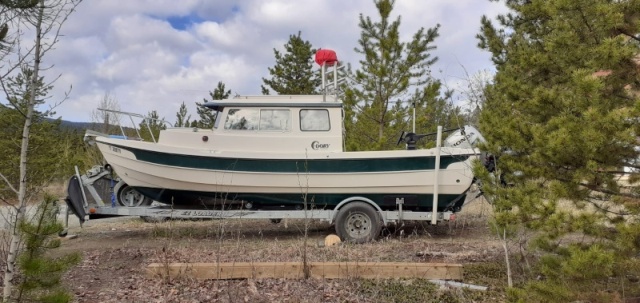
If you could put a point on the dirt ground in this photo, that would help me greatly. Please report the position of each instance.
(116, 253)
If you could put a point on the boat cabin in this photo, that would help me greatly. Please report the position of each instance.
(280, 123)
(283, 123)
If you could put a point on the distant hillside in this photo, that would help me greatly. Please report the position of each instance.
(82, 126)
(76, 125)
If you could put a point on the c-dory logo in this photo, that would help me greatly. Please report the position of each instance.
(317, 145)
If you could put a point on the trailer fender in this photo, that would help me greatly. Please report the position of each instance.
(358, 199)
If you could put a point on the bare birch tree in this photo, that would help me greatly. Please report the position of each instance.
(106, 121)
(46, 19)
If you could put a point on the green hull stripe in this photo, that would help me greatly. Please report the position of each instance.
(318, 201)
(293, 165)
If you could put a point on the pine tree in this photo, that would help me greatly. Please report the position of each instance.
(293, 72)
(154, 123)
(44, 22)
(182, 116)
(42, 157)
(562, 117)
(393, 76)
(41, 275)
(207, 116)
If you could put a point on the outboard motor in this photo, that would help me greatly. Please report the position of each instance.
(469, 137)
(464, 137)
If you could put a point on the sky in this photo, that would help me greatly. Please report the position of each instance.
(156, 54)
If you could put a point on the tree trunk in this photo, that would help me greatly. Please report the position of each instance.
(22, 191)
(506, 258)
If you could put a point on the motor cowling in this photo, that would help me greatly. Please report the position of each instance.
(465, 137)
(469, 137)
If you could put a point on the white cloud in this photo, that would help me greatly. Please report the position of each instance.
(132, 50)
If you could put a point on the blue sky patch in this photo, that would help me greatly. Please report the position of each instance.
(183, 22)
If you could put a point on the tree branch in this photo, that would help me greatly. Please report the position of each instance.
(8, 183)
(608, 192)
(606, 210)
(626, 33)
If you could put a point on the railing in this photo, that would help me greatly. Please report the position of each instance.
(146, 119)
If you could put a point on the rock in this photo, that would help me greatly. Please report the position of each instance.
(332, 240)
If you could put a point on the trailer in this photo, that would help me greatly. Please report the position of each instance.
(357, 219)
(277, 157)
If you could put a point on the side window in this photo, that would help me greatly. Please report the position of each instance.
(314, 120)
(216, 123)
(275, 119)
(245, 118)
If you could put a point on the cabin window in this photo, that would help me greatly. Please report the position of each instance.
(314, 120)
(275, 119)
(242, 118)
(216, 122)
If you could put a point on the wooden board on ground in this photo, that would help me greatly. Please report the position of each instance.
(295, 270)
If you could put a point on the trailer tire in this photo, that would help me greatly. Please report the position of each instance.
(358, 222)
(127, 196)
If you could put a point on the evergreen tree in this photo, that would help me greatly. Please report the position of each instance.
(562, 115)
(41, 275)
(154, 123)
(182, 117)
(378, 108)
(293, 73)
(42, 157)
(44, 22)
(207, 116)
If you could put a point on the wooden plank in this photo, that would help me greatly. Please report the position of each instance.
(294, 270)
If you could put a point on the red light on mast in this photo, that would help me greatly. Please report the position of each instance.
(326, 56)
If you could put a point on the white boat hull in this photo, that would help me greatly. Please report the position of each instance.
(163, 172)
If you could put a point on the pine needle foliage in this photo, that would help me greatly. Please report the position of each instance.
(151, 126)
(562, 117)
(207, 116)
(182, 116)
(40, 279)
(46, 135)
(393, 77)
(293, 72)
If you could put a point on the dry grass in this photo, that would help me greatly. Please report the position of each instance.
(116, 253)
(58, 189)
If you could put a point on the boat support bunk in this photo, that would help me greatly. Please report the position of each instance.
(356, 219)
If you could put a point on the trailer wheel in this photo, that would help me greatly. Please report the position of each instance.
(358, 222)
(129, 197)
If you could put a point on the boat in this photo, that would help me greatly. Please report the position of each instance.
(276, 151)
(286, 152)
